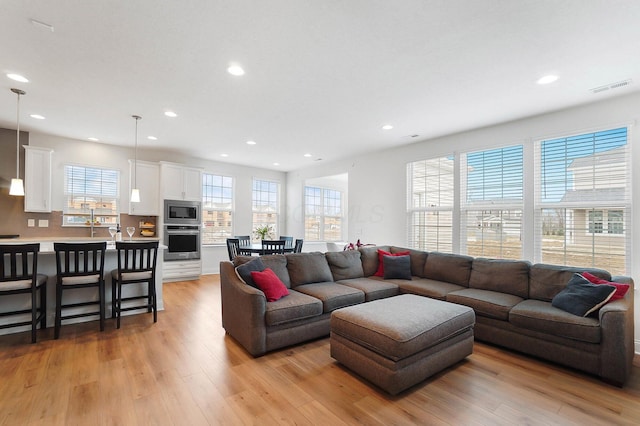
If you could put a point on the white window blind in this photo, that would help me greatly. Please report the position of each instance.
(323, 214)
(583, 200)
(430, 196)
(491, 213)
(266, 206)
(217, 208)
(91, 188)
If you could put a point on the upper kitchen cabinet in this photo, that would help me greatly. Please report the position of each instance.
(180, 182)
(37, 176)
(148, 181)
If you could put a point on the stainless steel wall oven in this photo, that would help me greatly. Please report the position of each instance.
(182, 233)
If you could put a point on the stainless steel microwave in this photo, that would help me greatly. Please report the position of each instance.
(179, 212)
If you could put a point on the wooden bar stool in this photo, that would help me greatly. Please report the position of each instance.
(79, 266)
(136, 265)
(19, 275)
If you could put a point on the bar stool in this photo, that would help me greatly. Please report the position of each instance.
(19, 275)
(136, 265)
(79, 266)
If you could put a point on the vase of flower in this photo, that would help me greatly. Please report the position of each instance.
(263, 232)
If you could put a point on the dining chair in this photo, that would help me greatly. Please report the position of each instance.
(79, 266)
(233, 248)
(136, 265)
(298, 246)
(19, 275)
(273, 246)
(288, 242)
(245, 245)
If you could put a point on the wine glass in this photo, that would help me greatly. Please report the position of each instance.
(112, 232)
(130, 231)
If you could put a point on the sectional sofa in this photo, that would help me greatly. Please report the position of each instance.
(511, 300)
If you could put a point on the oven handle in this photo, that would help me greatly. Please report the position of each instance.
(181, 232)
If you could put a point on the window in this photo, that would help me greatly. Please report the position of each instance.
(583, 200)
(492, 185)
(430, 204)
(217, 208)
(91, 189)
(266, 206)
(323, 214)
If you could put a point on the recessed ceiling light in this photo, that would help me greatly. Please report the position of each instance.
(547, 79)
(93, 139)
(251, 142)
(276, 164)
(152, 138)
(170, 114)
(307, 155)
(224, 155)
(37, 116)
(387, 127)
(235, 70)
(18, 77)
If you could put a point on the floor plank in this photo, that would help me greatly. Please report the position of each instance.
(184, 369)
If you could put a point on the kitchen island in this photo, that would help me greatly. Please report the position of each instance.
(47, 266)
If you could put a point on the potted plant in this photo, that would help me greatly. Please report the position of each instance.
(263, 232)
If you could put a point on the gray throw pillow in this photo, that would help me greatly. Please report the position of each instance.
(398, 267)
(244, 270)
(581, 297)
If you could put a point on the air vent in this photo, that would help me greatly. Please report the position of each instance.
(611, 86)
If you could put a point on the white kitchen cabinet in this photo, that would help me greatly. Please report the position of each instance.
(37, 176)
(148, 181)
(180, 182)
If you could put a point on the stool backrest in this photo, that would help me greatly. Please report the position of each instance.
(76, 259)
(19, 262)
(137, 256)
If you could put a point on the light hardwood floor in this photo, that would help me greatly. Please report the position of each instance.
(184, 370)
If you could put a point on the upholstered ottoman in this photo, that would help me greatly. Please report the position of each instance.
(398, 342)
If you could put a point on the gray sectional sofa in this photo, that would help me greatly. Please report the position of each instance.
(511, 300)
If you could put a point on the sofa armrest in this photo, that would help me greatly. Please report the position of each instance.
(617, 324)
(243, 310)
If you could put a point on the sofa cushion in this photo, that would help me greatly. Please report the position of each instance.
(504, 276)
(305, 268)
(381, 255)
(580, 297)
(369, 258)
(487, 303)
(417, 259)
(397, 267)
(278, 264)
(621, 288)
(345, 264)
(372, 288)
(270, 284)
(332, 295)
(541, 316)
(296, 306)
(545, 281)
(244, 270)
(430, 288)
(452, 268)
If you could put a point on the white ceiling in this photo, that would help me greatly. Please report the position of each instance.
(322, 76)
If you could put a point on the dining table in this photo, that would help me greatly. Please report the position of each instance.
(256, 248)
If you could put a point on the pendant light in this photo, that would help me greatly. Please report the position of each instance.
(17, 187)
(135, 192)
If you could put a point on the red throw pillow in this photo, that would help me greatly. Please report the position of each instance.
(270, 284)
(381, 254)
(621, 288)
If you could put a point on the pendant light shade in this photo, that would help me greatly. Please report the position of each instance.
(135, 192)
(17, 187)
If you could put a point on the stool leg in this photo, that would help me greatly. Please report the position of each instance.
(102, 304)
(152, 290)
(118, 304)
(114, 283)
(43, 306)
(58, 320)
(34, 314)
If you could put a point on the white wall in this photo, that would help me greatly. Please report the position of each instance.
(377, 181)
